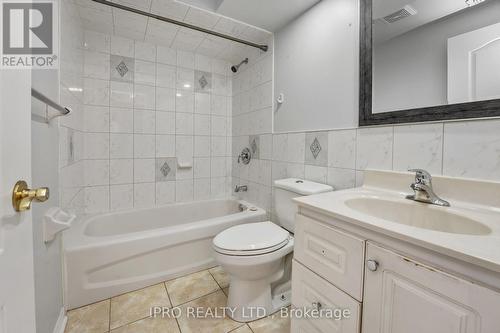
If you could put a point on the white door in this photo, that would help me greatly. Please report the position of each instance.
(474, 65)
(17, 294)
(404, 296)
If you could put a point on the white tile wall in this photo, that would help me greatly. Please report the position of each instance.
(151, 116)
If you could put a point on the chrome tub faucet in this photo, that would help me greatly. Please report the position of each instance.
(240, 188)
(423, 189)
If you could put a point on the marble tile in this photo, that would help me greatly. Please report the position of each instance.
(201, 124)
(96, 118)
(185, 59)
(136, 305)
(96, 65)
(207, 325)
(121, 197)
(144, 170)
(96, 145)
(165, 76)
(165, 145)
(166, 55)
(96, 199)
(121, 171)
(122, 46)
(150, 325)
(202, 103)
(472, 149)
(165, 99)
(219, 105)
(296, 147)
(220, 276)
(145, 72)
(122, 95)
(165, 193)
(121, 120)
(274, 323)
(219, 126)
(418, 147)
(192, 286)
(144, 121)
(96, 92)
(185, 79)
(202, 189)
(316, 148)
(316, 174)
(184, 123)
(374, 148)
(145, 51)
(144, 97)
(144, 195)
(93, 318)
(254, 145)
(341, 179)
(165, 123)
(144, 146)
(121, 145)
(280, 147)
(184, 101)
(342, 149)
(184, 190)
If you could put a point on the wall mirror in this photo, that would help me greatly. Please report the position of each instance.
(427, 60)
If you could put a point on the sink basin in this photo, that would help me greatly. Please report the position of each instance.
(418, 215)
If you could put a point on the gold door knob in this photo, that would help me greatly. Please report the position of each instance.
(22, 196)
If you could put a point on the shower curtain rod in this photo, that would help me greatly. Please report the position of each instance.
(182, 24)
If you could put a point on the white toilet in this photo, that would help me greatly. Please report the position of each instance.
(257, 256)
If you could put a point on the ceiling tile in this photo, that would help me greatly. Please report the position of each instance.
(230, 27)
(201, 18)
(129, 21)
(255, 35)
(187, 39)
(144, 5)
(212, 46)
(162, 33)
(170, 9)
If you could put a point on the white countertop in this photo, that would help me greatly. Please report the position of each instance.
(481, 250)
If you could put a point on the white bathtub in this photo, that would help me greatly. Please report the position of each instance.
(110, 254)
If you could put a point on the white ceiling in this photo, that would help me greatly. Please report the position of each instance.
(271, 15)
(428, 11)
(98, 17)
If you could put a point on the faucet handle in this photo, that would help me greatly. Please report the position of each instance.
(422, 176)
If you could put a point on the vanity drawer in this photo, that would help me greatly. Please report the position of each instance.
(309, 288)
(334, 255)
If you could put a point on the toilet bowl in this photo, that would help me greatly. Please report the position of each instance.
(258, 256)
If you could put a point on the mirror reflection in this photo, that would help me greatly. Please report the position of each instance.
(431, 53)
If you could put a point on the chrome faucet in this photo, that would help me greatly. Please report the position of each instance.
(240, 188)
(423, 189)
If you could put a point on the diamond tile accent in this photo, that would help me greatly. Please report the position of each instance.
(165, 169)
(203, 82)
(122, 69)
(315, 148)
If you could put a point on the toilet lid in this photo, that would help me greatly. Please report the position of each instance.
(251, 239)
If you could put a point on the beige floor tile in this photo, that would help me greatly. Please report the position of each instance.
(192, 286)
(216, 302)
(242, 329)
(93, 318)
(220, 276)
(274, 323)
(136, 305)
(150, 325)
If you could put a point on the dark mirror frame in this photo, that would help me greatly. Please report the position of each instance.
(481, 109)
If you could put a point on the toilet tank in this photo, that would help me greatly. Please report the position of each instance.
(287, 189)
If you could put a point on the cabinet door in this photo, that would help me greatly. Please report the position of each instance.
(404, 296)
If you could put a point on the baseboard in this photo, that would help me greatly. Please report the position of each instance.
(61, 322)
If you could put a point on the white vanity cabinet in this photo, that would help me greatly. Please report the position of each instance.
(385, 291)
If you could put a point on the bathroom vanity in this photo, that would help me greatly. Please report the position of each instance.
(398, 265)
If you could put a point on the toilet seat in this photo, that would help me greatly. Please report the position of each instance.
(251, 239)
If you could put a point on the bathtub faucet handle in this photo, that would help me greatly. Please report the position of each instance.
(241, 188)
